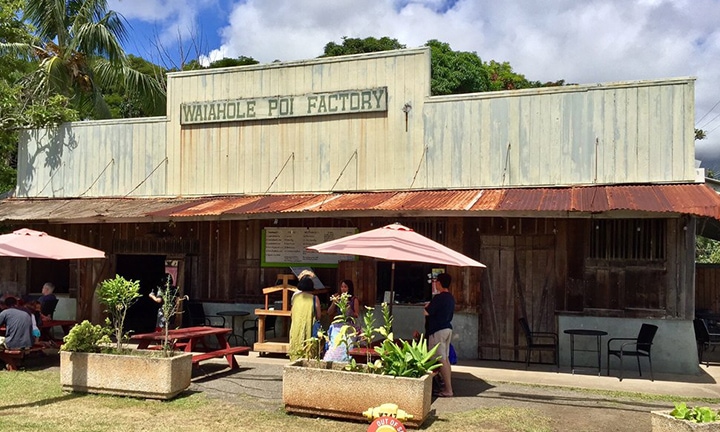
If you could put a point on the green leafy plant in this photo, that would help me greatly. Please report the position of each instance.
(118, 295)
(311, 347)
(86, 337)
(694, 414)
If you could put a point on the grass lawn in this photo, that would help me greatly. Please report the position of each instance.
(33, 401)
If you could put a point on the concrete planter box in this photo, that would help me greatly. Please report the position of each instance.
(324, 389)
(142, 376)
(662, 421)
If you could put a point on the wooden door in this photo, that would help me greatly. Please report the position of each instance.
(519, 281)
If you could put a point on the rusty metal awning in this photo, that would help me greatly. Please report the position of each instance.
(691, 199)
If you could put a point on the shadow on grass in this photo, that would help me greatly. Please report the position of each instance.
(579, 401)
(43, 402)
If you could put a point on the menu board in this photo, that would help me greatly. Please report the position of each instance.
(284, 247)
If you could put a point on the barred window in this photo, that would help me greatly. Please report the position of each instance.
(628, 239)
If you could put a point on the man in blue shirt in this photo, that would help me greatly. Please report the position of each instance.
(439, 315)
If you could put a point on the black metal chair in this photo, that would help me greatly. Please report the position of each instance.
(270, 321)
(532, 340)
(637, 347)
(704, 339)
(48, 307)
(194, 315)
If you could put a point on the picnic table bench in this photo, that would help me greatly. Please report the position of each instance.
(13, 358)
(189, 338)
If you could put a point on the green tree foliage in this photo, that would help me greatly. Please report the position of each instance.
(19, 109)
(359, 46)
(502, 77)
(78, 46)
(228, 62)
(454, 72)
(123, 104)
(707, 251)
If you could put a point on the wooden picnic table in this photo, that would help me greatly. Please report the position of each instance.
(45, 327)
(189, 338)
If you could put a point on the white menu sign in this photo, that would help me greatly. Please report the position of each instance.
(286, 246)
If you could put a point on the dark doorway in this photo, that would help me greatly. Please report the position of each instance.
(47, 270)
(411, 281)
(149, 270)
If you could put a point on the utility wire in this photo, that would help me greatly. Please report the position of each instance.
(706, 114)
(709, 121)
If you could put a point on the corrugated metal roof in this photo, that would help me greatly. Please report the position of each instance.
(90, 209)
(693, 199)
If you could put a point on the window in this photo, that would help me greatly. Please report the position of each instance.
(628, 239)
(625, 269)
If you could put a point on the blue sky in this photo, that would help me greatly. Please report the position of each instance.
(587, 41)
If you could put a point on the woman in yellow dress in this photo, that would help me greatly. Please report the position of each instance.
(305, 310)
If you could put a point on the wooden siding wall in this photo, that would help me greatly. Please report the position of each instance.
(95, 158)
(707, 288)
(631, 132)
(617, 133)
(369, 151)
(536, 269)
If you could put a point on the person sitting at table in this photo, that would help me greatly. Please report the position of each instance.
(18, 325)
(33, 308)
(346, 287)
(337, 351)
(304, 311)
(48, 295)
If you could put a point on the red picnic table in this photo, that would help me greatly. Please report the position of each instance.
(46, 326)
(360, 354)
(189, 338)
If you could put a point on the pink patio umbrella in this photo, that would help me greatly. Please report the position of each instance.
(396, 242)
(27, 243)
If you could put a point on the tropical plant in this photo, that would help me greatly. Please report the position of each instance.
(401, 358)
(78, 46)
(118, 295)
(406, 359)
(695, 414)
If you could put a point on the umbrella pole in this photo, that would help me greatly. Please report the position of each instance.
(392, 286)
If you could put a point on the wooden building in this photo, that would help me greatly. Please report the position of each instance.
(581, 200)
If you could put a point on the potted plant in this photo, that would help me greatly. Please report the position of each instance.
(91, 362)
(684, 418)
(344, 390)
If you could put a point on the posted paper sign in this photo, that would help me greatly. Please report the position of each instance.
(285, 247)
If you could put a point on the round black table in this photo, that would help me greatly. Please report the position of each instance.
(585, 332)
(234, 314)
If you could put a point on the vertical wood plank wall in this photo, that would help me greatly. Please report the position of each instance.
(707, 288)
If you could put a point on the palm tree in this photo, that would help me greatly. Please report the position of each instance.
(77, 44)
